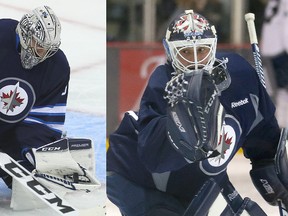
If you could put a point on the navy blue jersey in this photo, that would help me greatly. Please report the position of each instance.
(32, 102)
(140, 151)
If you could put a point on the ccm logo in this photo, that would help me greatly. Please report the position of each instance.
(41, 190)
(50, 149)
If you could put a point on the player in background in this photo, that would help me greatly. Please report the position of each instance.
(33, 84)
(197, 111)
(275, 29)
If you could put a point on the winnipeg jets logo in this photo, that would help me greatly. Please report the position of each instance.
(16, 99)
(225, 146)
(11, 99)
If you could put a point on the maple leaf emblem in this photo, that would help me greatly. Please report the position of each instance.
(223, 145)
(226, 144)
(11, 99)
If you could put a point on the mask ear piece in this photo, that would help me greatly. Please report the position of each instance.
(167, 50)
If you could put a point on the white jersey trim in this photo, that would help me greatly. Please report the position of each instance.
(52, 109)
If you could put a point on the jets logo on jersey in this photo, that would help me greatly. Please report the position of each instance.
(16, 99)
(227, 146)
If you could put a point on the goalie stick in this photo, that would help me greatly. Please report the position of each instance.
(24, 177)
(234, 204)
(250, 17)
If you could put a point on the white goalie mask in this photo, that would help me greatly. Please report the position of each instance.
(190, 43)
(39, 34)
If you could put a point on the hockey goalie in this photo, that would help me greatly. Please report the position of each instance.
(197, 110)
(36, 160)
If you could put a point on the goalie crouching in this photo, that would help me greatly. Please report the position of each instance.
(196, 112)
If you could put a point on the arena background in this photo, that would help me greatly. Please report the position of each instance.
(134, 50)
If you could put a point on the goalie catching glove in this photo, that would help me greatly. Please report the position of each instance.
(270, 177)
(195, 115)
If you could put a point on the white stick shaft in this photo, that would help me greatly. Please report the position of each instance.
(250, 17)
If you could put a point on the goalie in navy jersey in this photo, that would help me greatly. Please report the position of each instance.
(33, 83)
(197, 111)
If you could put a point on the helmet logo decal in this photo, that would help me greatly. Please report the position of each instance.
(44, 13)
(17, 97)
(199, 25)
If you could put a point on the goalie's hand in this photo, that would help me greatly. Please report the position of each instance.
(267, 182)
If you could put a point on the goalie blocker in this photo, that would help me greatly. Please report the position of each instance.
(66, 164)
(270, 177)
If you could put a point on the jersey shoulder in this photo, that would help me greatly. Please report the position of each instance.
(57, 64)
(236, 62)
(8, 34)
(161, 75)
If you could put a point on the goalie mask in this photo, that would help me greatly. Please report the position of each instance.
(190, 43)
(195, 115)
(39, 34)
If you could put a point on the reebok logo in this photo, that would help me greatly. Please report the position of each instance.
(233, 195)
(239, 103)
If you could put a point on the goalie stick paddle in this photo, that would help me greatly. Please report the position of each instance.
(250, 18)
(24, 177)
(202, 203)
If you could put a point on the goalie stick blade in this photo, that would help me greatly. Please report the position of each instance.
(24, 177)
(282, 209)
